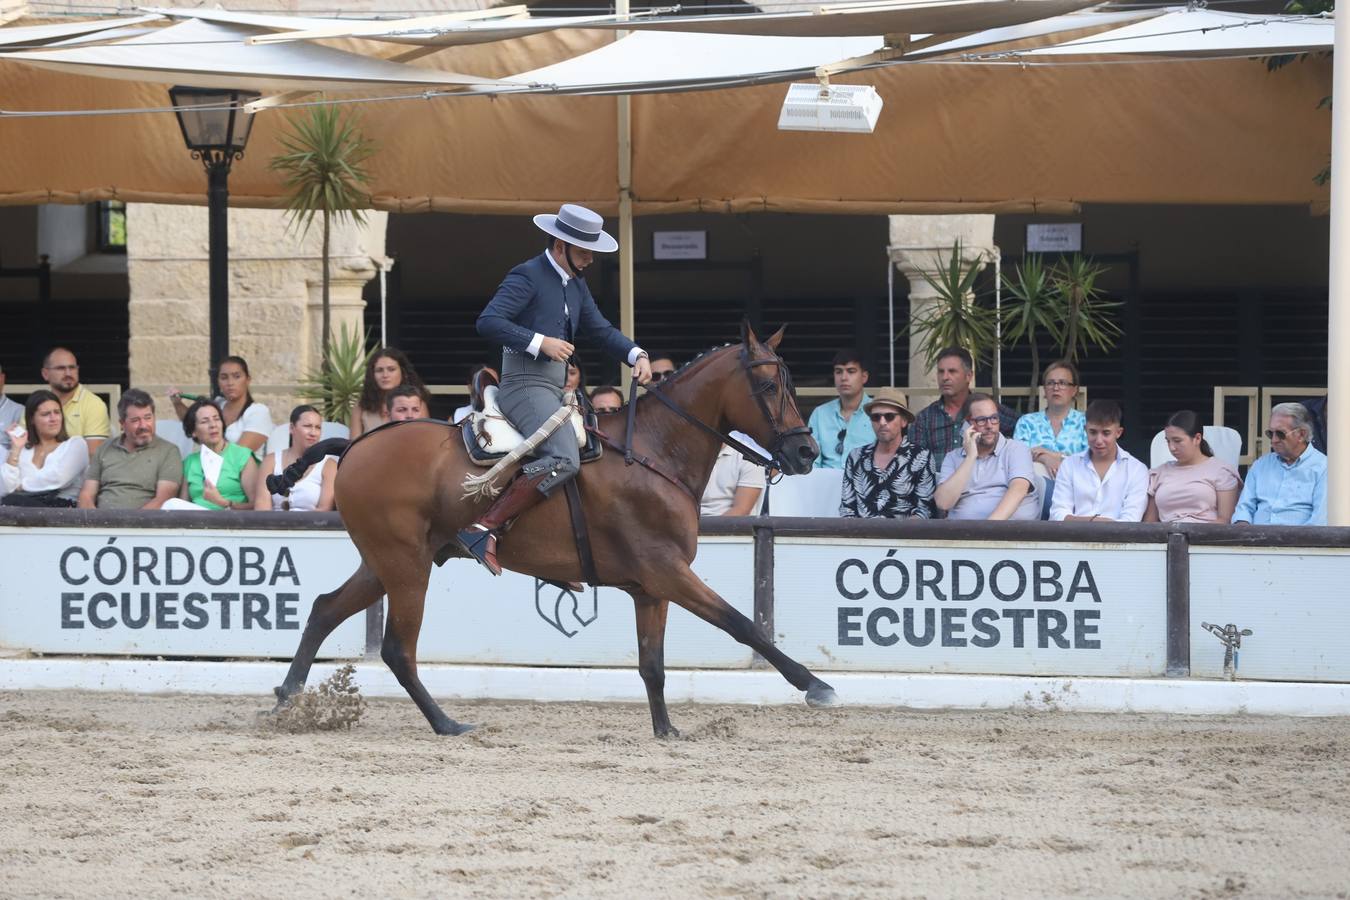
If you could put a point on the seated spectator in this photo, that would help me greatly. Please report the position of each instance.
(1059, 430)
(86, 415)
(574, 379)
(248, 423)
(1194, 487)
(10, 412)
(990, 476)
(1287, 486)
(836, 425)
(606, 399)
(735, 485)
(662, 368)
(889, 478)
(477, 383)
(45, 466)
(937, 427)
(139, 470)
(1103, 483)
(232, 485)
(405, 402)
(385, 371)
(314, 491)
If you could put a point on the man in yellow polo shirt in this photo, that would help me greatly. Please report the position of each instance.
(86, 414)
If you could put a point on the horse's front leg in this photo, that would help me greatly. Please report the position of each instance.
(651, 635)
(682, 586)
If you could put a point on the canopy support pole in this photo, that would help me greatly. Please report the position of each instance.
(1338, 305)
(625, 129)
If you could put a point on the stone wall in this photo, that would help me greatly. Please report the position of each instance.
(275, 295)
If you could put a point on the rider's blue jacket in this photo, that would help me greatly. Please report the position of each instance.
(533, 300)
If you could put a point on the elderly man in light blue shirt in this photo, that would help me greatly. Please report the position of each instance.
(840, 426)
(1287, 486)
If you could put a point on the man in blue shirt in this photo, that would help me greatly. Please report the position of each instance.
(838, 426)
(1287, 486)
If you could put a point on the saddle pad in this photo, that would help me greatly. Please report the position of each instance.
(488, 436)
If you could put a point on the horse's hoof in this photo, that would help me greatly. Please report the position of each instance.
(821, 696)
(455, 729)
(670, 733)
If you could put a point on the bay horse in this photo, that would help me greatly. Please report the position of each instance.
(399, 492)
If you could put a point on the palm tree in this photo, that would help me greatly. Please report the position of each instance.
(955, 318)
(1033, 309)
(323, 164)
(1087, 318)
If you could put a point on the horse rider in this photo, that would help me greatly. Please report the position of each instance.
(540, 309)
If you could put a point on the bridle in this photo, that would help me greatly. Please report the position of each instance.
(760, 389)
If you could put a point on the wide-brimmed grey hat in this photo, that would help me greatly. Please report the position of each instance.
(579, 227)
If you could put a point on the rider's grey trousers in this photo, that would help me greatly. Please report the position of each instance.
(530, 392)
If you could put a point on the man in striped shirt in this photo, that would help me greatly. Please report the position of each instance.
(937, 428)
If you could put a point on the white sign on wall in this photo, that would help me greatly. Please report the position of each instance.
(163, 592)
(1294, 601)
(1052, 609)
(679, 245)
(1057, 237)
(249, 593)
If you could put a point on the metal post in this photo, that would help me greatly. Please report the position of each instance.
(1338, 300)
(763, 585)
(218, 203)
(1178, 606)
(890, 309)
(625, 128)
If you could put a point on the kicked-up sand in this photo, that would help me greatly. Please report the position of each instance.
(116, 795)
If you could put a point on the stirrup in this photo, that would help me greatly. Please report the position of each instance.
(478, 543)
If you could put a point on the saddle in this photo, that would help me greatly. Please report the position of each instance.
(488, 436)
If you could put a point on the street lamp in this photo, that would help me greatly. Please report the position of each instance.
(215, 128)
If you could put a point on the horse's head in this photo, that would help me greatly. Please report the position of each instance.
(764, 404)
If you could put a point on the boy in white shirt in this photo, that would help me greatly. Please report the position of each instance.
(1104, 483)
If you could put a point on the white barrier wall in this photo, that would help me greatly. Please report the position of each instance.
(919, 606)
(170, 593)
(1294, 601)
(248, 594)
(472, 617)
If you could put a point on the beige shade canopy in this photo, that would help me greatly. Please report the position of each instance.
(954, 136)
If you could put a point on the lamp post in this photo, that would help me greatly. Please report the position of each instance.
(215, 129)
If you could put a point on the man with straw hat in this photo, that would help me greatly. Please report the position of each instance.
(890, 478)
(541, 308)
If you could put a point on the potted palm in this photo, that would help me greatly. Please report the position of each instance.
(1032, 310)
(1087, 318)
(336, 385)
(323, 161)
(955, 317)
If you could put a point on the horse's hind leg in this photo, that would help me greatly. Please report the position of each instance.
(681, 585)
(399, 651)
(651, 634)
(330, 610)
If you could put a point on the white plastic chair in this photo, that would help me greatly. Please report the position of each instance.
(172, 431)
(815, 494)
(1224, 441)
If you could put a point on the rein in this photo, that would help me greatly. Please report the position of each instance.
(748, 453)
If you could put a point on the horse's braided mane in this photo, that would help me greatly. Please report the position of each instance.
(697, 359)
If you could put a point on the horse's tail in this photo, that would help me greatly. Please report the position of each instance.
(282, 484)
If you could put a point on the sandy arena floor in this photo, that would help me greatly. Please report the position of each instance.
(106, 795)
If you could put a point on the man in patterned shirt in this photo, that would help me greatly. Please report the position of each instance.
(890, 478)
(937, 428)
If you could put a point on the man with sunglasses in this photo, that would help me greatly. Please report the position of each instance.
(890, 478)
(662, 368)
(835, 425)
(1287, 486)
(990, 476)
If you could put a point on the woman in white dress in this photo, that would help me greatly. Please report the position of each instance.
(313, 492)
(45, 466)
(247, 422)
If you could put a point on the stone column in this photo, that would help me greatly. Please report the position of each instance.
(275, 296)
(924, 243)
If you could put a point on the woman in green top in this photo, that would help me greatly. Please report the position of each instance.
(233, 488)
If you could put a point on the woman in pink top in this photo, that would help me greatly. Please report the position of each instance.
(1196, 487)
